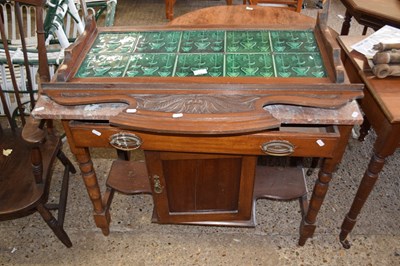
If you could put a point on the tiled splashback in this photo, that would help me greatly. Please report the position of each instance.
(247, 53)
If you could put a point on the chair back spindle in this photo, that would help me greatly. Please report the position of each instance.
(29, 86)
(13, 80)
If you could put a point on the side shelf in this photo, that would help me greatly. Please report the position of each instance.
(129, 177)
(280, 183)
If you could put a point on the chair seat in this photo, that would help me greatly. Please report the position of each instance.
(27, 194)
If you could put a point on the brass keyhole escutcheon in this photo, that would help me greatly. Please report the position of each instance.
(157, 184)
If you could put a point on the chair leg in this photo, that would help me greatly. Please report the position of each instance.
(303, 205)
(54, 225)
(364, 32)
(63, 196)
(65, 161)
(314, 164)
(57, 225)
(107, 200)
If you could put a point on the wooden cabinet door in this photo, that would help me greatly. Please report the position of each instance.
(202, 188)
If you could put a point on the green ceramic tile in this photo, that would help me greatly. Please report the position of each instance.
(158, 42)
(161, 65)
(103, 65)
(249, 65)
(247, 42)
(120, 43)
(293, 41)
(202, 42)
(299, 65)
(253, 53)
(188, 64)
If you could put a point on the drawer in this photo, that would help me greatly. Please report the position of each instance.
(293, 141)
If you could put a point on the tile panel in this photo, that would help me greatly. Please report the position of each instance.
(213, 53)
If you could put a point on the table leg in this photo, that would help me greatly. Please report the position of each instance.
(307, 226)
(101, 215)
(365, 188)
(346, 24)
(169, 9)
(364, 129)
(385, 145)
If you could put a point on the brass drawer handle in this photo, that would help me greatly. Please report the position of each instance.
(277, 148)
(125, 141)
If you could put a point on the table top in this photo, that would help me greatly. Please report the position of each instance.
(385, 91)
(244, 16)
(196, 105)
(349, 114)
(387, 10)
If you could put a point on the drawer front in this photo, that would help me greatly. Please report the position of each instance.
(278, 143)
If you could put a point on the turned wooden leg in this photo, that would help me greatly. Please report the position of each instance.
(167, 12)
(364, 129)
(307, 226)
(66, 162)
(314, 164)
(370, 176)
(101, 215)
(54, 225)
(169, 9)
(124, 155)
(346, 24)
(364, 32)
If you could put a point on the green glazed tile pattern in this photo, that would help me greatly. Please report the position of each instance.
(158, 42)
(299, 65)
(214, 53)
(249, 65)
(248, 42)
(293, 41)
(188, 64)
(151, 65)
(202, 42)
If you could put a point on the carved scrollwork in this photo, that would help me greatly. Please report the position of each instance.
(197, 104)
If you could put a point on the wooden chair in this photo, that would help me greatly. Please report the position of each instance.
(295, 5)
(61, 28)
(30, 147)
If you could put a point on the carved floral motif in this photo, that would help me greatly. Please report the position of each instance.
(196, 104)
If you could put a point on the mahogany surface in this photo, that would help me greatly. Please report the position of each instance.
(208, 104)
(189, 170)
(371, 13)
(382, 111)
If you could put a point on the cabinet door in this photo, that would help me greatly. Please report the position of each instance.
(202, 188)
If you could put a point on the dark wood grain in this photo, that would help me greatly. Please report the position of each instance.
(382, 112)
(200, 172)
(371, 13)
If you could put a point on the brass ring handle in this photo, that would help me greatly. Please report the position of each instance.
(125, 141)
(277, 148)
